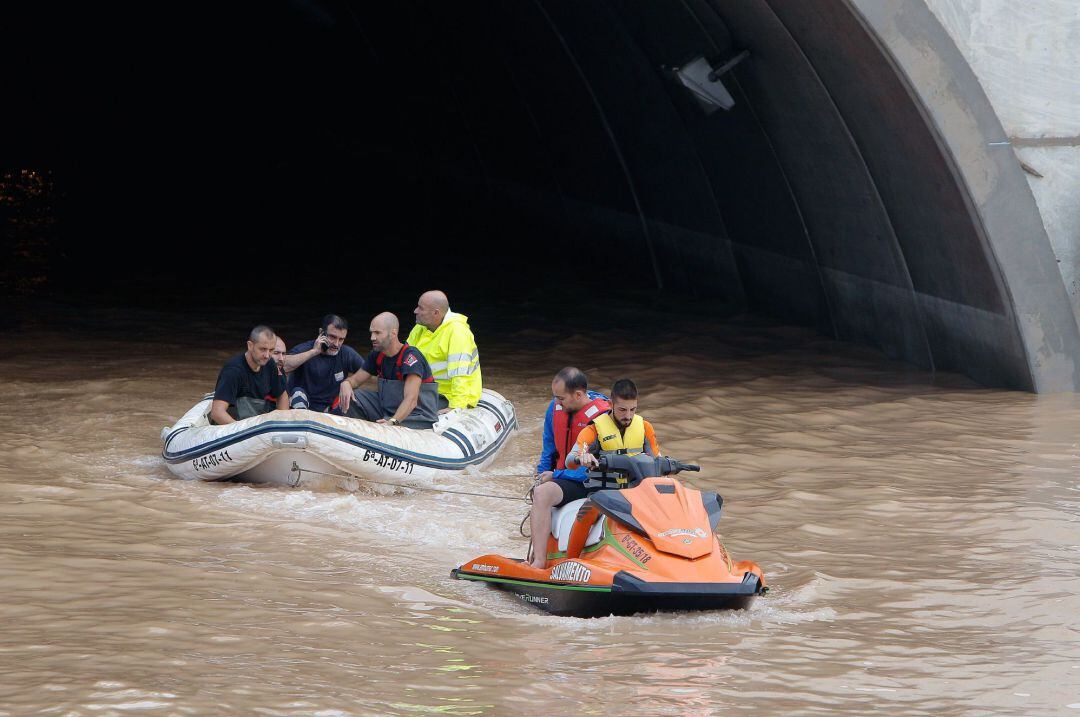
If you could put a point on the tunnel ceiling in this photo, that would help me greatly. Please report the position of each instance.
(854, 186)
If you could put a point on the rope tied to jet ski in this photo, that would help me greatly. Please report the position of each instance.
(298, 470)
(618, 470)
(597, 480)
(528, 514)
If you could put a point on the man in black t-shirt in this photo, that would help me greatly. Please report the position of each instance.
(249, 384)
(407, 395)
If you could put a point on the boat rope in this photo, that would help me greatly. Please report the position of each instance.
(521, 528)
(298, 470)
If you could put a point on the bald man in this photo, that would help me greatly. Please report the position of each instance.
(407, 394)
(447, 342)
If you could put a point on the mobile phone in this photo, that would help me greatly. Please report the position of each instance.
(323, 347)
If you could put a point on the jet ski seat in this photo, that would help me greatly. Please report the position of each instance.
(562, 520)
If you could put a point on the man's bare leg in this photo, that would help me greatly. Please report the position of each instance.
(545, 497)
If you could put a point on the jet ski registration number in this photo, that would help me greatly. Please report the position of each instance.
(388, 462)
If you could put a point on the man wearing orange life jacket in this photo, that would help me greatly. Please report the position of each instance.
(573, 407)
(621, 431)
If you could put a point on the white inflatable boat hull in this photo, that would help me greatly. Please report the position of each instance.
(299, 447)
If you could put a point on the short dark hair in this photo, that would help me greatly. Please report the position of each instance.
(625, 389)
(258, 331)
(573, 379)
(334, 320)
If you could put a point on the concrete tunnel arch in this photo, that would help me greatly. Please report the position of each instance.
(861, 183)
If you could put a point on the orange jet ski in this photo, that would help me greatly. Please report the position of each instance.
(648, 547)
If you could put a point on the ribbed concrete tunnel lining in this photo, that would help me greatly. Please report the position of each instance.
(866, 228)
(615, 145)
(847, 222)
(852, 186)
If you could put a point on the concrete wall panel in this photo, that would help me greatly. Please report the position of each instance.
(1026, 57)
(1002, 207)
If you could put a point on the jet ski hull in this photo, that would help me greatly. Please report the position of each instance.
(648, 548)
(626, 596)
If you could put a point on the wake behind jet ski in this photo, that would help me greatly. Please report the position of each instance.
(645, 548)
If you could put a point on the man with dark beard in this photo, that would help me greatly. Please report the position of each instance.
(278, 357)
(620, 431)
(316, 368)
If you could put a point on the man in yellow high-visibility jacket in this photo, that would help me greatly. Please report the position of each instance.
(446, 341)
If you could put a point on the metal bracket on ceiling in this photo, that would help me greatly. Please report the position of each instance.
(702, 79)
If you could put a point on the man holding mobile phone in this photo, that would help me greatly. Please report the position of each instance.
(316, 368)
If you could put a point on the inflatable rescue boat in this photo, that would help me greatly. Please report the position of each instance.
(646, 548)
(299, 447)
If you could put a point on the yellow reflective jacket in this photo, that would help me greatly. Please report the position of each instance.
(454, 358)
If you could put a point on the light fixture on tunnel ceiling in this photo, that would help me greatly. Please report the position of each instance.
(704, 83)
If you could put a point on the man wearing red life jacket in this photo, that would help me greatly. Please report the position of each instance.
(573, 407)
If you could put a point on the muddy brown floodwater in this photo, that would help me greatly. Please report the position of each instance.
(921, 536)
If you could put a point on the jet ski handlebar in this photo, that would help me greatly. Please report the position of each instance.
(642, 466)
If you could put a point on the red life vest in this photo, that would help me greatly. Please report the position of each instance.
(378, 369)
(566, 426)
(397, 365)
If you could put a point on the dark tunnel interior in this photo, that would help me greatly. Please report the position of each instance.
(515, 143)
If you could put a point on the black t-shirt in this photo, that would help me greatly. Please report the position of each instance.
(237, 380)
(412, 363)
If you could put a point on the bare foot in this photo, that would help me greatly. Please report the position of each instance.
(538, 566)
